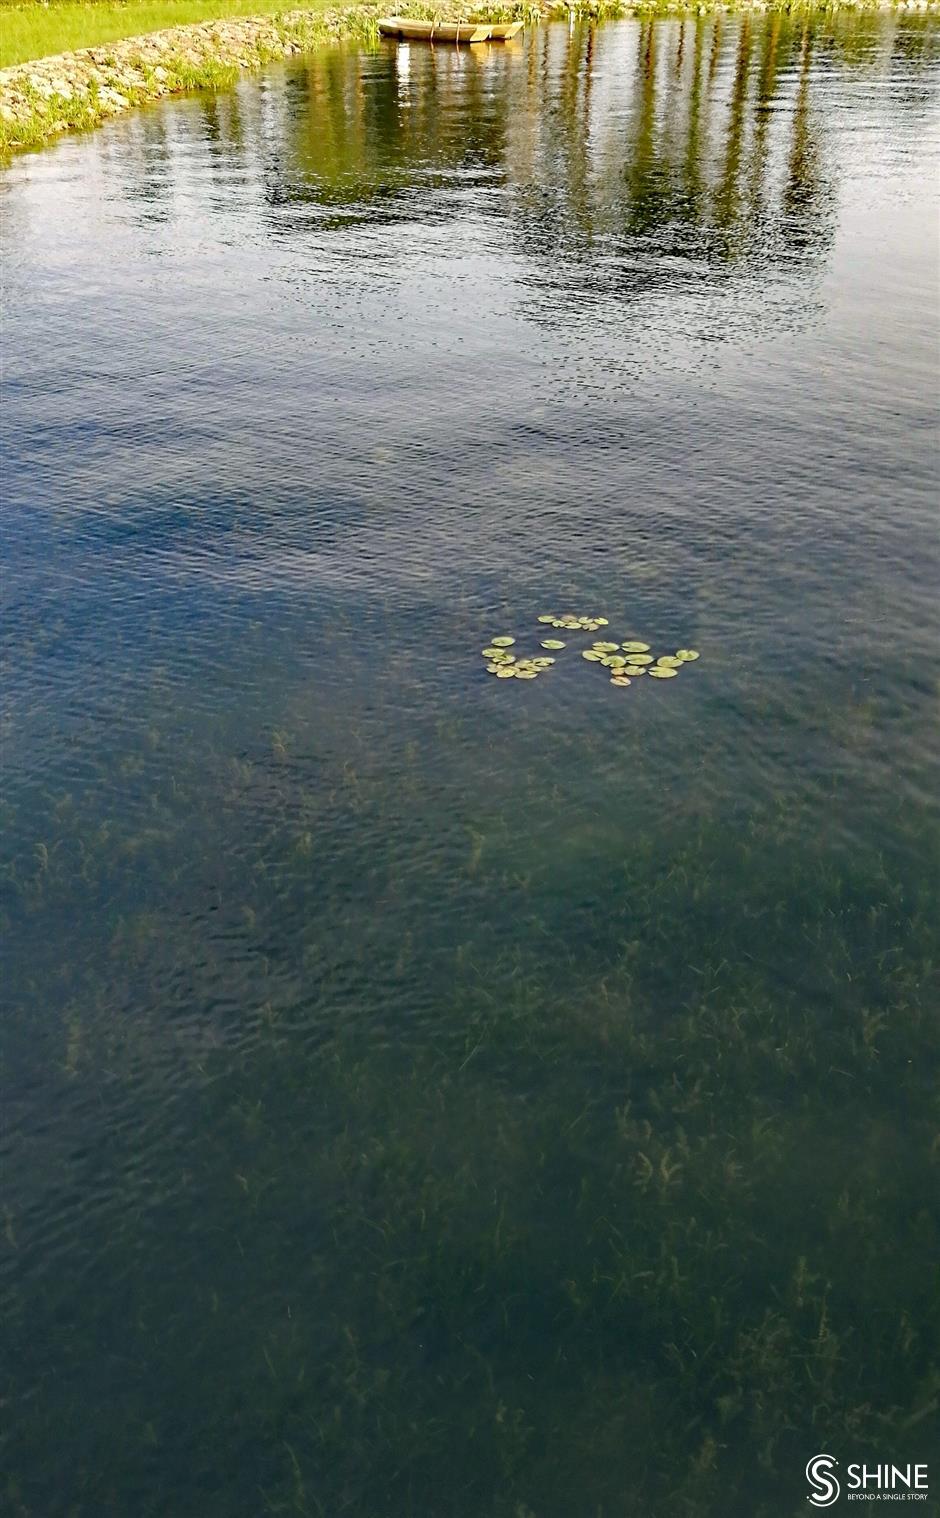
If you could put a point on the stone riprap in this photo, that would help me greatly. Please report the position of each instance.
(81, 89)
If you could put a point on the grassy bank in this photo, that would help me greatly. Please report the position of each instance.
(83, 88)
(38, 31)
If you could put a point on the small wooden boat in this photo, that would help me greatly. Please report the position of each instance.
(407, 29)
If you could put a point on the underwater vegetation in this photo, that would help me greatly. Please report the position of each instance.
(625, 661)
(636, 1209)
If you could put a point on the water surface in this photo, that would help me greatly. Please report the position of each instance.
(427, 1095)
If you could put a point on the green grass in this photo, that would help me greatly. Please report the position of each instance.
(37, 31)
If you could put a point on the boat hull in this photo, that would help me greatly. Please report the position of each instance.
(406, 29)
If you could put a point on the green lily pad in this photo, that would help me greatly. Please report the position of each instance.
(613, 661)
(543, 663)
(502, 642)
(620, 680)
(641, 658)
(548, 617)
(552, 643)
(663, 672)
(668, 661)
(601, 621)
(633, 670)
(592, 655)
(687, 654)
(635, 648)
(492, 652)
(604, 648)
(526, 674)
(505, 671)
(493, 669)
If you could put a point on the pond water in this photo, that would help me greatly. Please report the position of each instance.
(428, 1094)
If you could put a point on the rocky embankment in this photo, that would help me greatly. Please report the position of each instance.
(83, 88)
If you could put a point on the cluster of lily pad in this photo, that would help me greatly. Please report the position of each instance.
(505, 666)
(574, 624)
(625, 661)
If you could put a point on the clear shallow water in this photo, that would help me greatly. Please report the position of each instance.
(428, 1095)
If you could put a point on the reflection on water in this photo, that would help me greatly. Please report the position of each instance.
(425, 1098)
(699, 134)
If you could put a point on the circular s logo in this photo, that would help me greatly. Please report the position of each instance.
(820, 1477)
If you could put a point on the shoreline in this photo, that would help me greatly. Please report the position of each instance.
(78, 90)
(82, 89)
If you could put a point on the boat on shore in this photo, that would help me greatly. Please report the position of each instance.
(405, 28)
